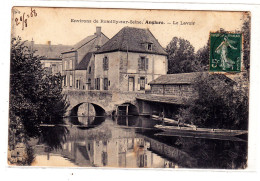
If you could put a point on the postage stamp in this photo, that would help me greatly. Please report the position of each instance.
(225, 52)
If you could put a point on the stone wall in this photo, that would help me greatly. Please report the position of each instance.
(183, 90)
(105, 99)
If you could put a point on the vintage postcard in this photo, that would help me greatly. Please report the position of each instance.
(128, 88)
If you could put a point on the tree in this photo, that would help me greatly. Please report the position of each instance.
(246, 30)
(201, 62)
(180, 56)
(35, 98)
(220, 104)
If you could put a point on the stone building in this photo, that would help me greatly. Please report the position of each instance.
(177, 85)
(77, 70)
(50, 55)
(129, 61)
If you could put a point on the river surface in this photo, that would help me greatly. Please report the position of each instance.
(132, 142)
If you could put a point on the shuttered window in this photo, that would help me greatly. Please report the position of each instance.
(89, 84)
(65, 65)
(70, 80)
(70, 64)
(143, 63)
(105, 63)
(98, 84)
(105, 84)
(65, 80)
(142, 83)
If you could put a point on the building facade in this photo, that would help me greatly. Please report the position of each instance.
(176, 85)
(50, 55)
(75, 61)
(129, 61)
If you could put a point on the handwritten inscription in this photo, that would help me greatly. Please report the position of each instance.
(23, 19)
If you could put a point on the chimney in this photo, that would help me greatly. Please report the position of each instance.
(98, 31)
(32, 44)
(49, 45)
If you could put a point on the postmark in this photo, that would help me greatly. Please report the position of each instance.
(225, 52)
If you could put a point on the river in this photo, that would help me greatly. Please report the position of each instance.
(132, 142)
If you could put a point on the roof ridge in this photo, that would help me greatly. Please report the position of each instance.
(105, 35)
(147, 29)
(131, 39)
(122, 38)
(87, 41)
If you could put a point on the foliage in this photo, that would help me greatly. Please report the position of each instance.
(180, 56)
(54, 137)
(213, 153)
(183, 59)
(35, 97)
(201, 62)
(221, 103)
(246, 30)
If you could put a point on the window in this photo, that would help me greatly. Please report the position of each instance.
(149, 46)
(65, 80)
(89, 70)
(70, 64)
(143, 160)
(78, 84)
(65, 65)
(143, 63)
(89, 84)
(105, 84)
(142, 83)
(70, 81)
(98, 83)
(105, 63)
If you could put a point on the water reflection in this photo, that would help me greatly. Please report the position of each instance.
(132, 142)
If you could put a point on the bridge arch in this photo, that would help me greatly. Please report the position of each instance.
(98, 109)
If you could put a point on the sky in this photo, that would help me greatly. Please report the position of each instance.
(55, 24)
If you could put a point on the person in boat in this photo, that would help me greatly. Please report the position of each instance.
(162, 117)
(180, 122)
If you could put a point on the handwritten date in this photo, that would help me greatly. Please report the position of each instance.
(23, 19)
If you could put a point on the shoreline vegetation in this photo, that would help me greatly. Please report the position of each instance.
(33, 95)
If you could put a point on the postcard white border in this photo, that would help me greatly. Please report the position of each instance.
(137, 174)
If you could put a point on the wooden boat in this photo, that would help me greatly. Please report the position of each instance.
(202, 136)
(171, 121)
(201, 131)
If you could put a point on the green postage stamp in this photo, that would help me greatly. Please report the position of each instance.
(225, 52)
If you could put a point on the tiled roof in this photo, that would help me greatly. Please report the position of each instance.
(133, 40)
(48, 51)
(180, 78)
(91, 42)
(83, 65)
(162, 99)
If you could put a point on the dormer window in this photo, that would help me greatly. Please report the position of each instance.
(149, 46)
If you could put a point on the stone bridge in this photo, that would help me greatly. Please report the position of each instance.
(104, 102)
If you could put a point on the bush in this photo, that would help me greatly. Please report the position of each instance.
(35, 98)
(221, 103)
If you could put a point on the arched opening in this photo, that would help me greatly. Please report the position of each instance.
(126, 114)
(87, 114)
(126, 109)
